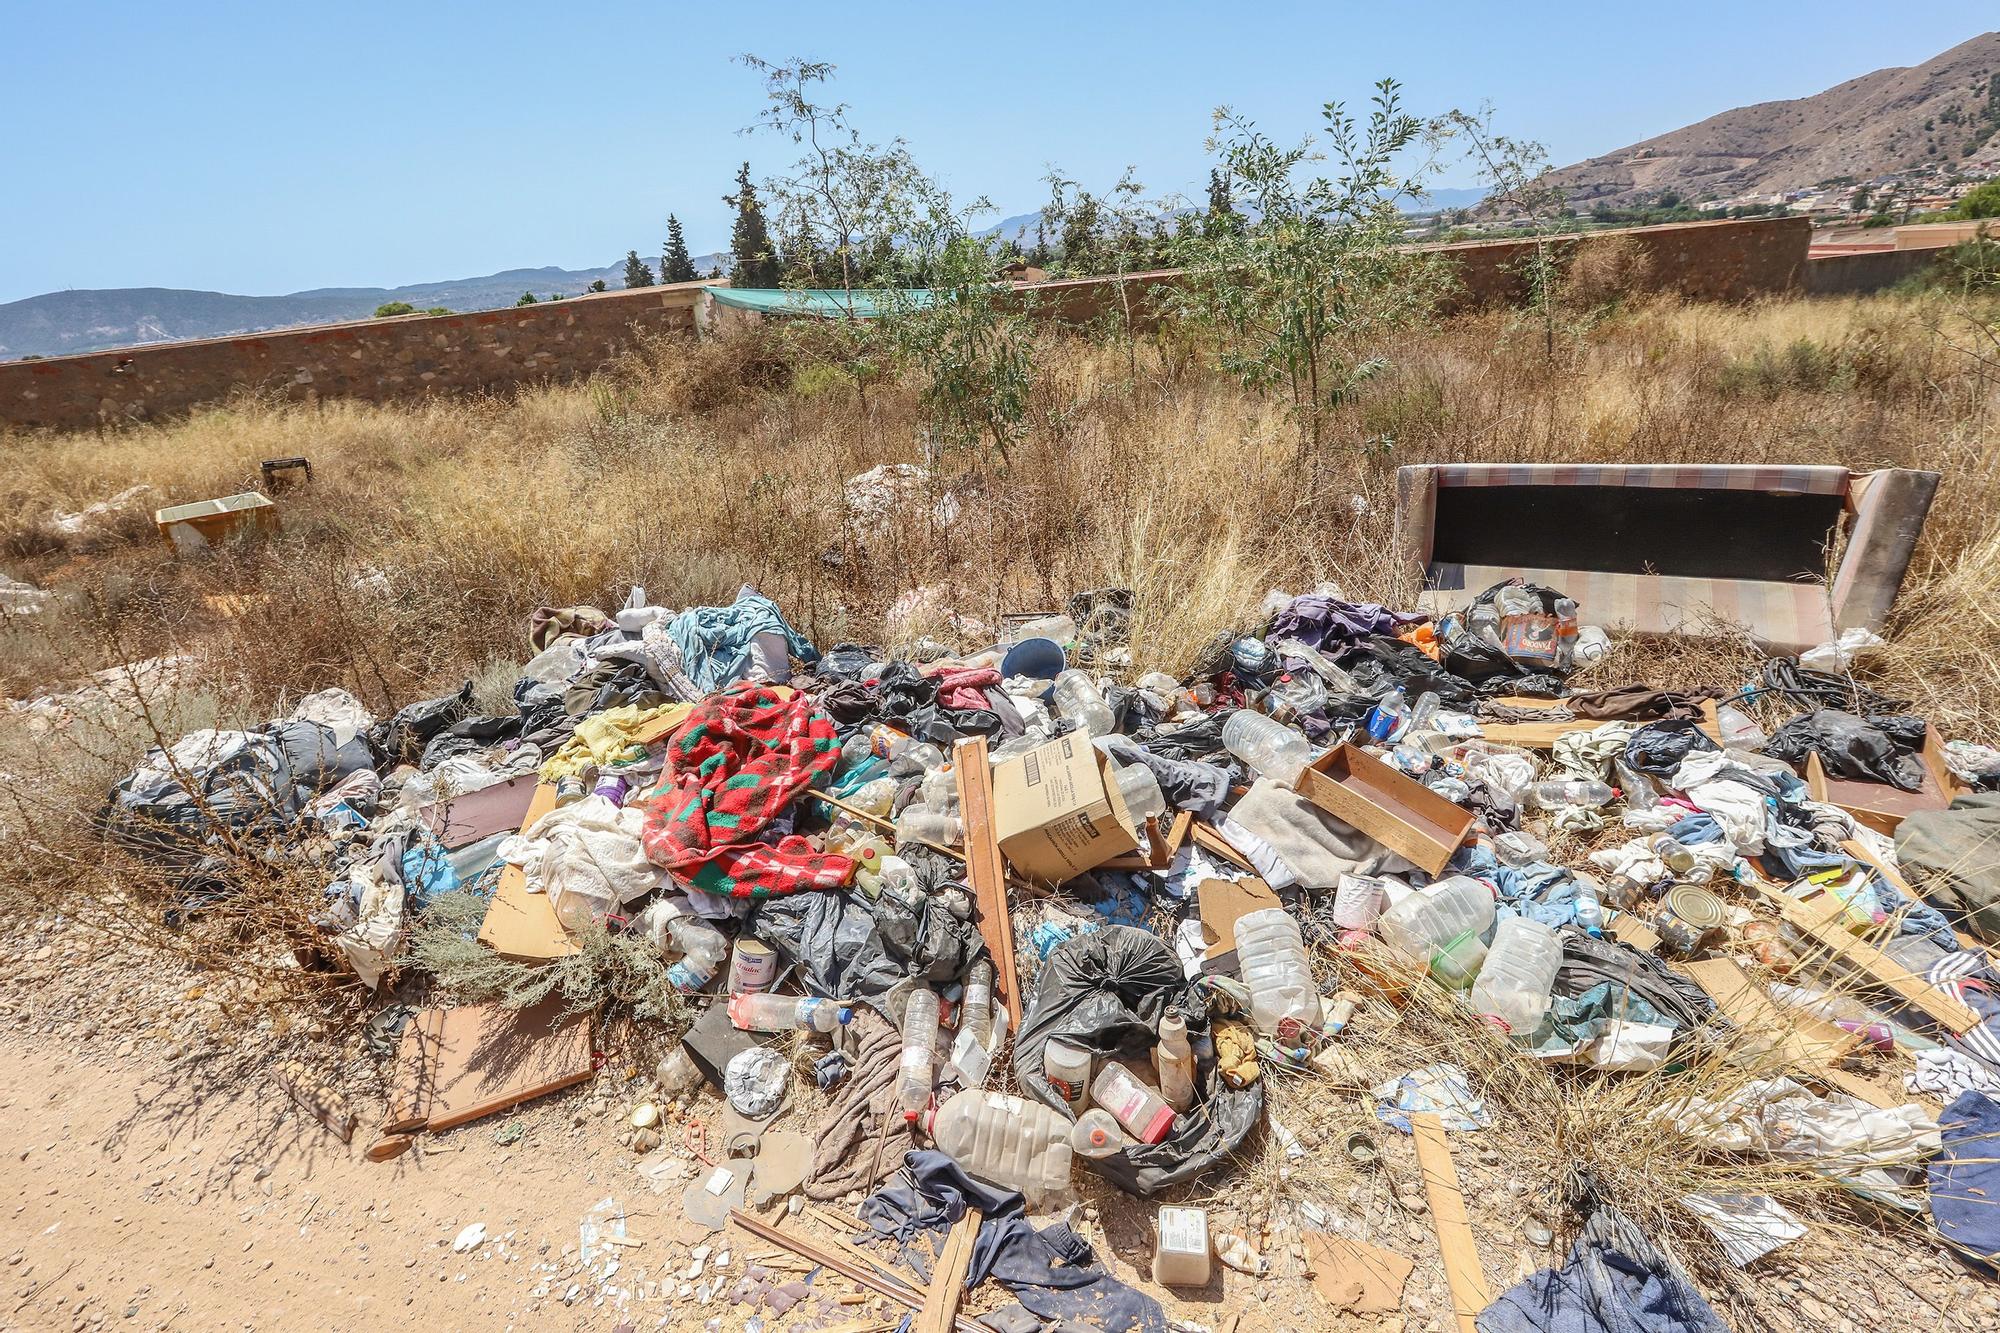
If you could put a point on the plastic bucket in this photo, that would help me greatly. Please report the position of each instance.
(1038, 659)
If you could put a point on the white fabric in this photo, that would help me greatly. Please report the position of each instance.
(1749, 1226)
(1947, 1075)
(336, 710)
(373, 940)
(589, 847)
(1838, 1134)
(1838, 654)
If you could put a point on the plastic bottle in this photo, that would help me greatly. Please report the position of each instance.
(1007, 1141)
(1271, 748)
(1143, 1113)
(580, 905)
(1097, 1135)
(1181, 1248)
(761, 1011)
(1173, 1061)
(1357, 902)
(1141, 792)
(1456, 965)
(920, 823)
(702, 947)
(1387, 717)
(1589, 911)
(1570, 791)
(1676, 855)
(919, 1064)
(939, 789)
(975, 1012)
(1067, 1068)
(1513, 988)
(1271, 959)
(1423, 711)
(1077, 699)
(1058, 627)
(1432, 917)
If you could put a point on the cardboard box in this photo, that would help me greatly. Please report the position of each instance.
(1399, 812)
(1054, 814)
(1222, 904)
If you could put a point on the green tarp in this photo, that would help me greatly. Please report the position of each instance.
(829, 303)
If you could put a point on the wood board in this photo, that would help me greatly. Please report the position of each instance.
(488, 1059)
(947, 1286)
(521, 925)
(1822, 918)
(1462, 1270)
(1397, 811)
(1879, 805)
(1543, 735)
(1812, 1044)
(986, 870)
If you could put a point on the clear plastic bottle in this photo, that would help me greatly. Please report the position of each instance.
(939, 789)
(1676, 855)
(1271, 959)
(702, 947)
(1513, 988)
(875, 796)
(761, 1011)
(1432, 917)
(1173, 1061)
(1271, 748)
(1142, 1113)
(1077, 699)
(1007, 1141)
(1553, 792)
(1423, 711)
(1357, 902)
(1096, 1134)
(920, 823)
(1141, 792)
(975, 1012)
(918, 1069)
(1388, 716)
(1589, 910)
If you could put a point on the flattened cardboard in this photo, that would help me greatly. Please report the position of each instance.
(1401, 813)
(489, 1059)
(1223, 903)
(463, 820)
(522, 925)
(1354, 1276)
(1054, 814)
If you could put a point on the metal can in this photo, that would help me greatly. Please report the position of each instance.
(753, 966)
(569, 789)
(1689, 916)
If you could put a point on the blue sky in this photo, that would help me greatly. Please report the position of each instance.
(268, 147)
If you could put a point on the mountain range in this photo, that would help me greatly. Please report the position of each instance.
(1943, 113)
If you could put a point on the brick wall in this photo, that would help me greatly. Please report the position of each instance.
(391, 358)
(369, 359)
(1862, 271)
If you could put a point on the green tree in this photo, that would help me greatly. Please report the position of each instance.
(528, 298)
(636, 272)
(1303, 300)
(390, 309)
(597, 285)
(1982, 202)
(1221, 214)
(675, 265)
(1517, 178)
(754, 259)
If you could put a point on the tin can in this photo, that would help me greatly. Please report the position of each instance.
(753, 966)
(569, 789)
(1689, 916)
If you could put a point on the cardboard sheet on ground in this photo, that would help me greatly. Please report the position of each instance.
(521, 925)
(500, 808)
(469, 1062)
(1223, 903)
(1353, 1276)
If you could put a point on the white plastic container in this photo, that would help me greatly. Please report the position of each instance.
(1432, 917)
(1141, 791)
(1271, 748)
(1096, 1134)
(918, 1070)
(1139, 1110)
(1357, 903)
(1180, 1251)
(1271, 960)
(1513, 988)
(1173, 1061)
(1006, 1141)
(1067, 1068)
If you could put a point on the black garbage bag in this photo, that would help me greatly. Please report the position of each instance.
(1471, 657)
(1657, 748)
(1200, 739)
(468, 736)
(852, 949)
(845, 661)
(1379, 664)
(404, 736)
(1107, 991)
(1873, 749)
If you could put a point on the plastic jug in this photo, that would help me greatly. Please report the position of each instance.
(1141, 792)
(1513, 988)
(1271, 748)
(1007, 1141)
(919, 1063)
(1181, 1252)
(1357, 902)
(1078, 700)
(1432, 917)
(1173, 1060)
(1271, 959)
(1143, 1113)
(1096, 1134)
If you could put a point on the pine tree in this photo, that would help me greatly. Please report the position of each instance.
(636, 272)
(755, 262)
(1222, 214)
(675, 265)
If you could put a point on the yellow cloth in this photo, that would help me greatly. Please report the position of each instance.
(613, 737)
(1235, 1053)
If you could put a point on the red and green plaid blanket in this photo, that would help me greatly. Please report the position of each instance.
(740, 758)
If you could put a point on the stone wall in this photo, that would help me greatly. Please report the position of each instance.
(1863, 271)
(375, 360)
(378, 360)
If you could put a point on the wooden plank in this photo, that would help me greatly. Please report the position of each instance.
(490, 1058)
(1161, 844)
(1823, 918)
(1462, 1271)
(947, 1287)
(1811, 1043)
(1543, 735)
(522, 925)
(1856, 849)
(1210, 841)
(986, 870)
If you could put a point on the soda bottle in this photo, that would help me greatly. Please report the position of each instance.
(1386, 718)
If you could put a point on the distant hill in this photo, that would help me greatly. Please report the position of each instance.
(86, 321)
(1944, 112)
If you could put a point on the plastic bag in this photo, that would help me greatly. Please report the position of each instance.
(1657, 748)
(1877, 749)
(405, 735)
(1107, 991)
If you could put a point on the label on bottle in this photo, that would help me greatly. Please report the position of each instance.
(753, 966)
(1069, 1089)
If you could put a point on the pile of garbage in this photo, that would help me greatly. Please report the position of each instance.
(1029, 919)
